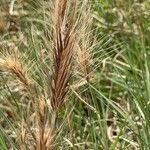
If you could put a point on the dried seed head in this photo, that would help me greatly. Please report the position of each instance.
(15, 67)
(62, 54)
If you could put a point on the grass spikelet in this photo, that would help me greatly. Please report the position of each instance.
(85, 44)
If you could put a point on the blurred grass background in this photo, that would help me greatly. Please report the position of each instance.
(120, 94)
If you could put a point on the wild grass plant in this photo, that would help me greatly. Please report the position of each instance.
(74, 75)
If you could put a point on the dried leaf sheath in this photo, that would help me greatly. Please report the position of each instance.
(62, 57)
